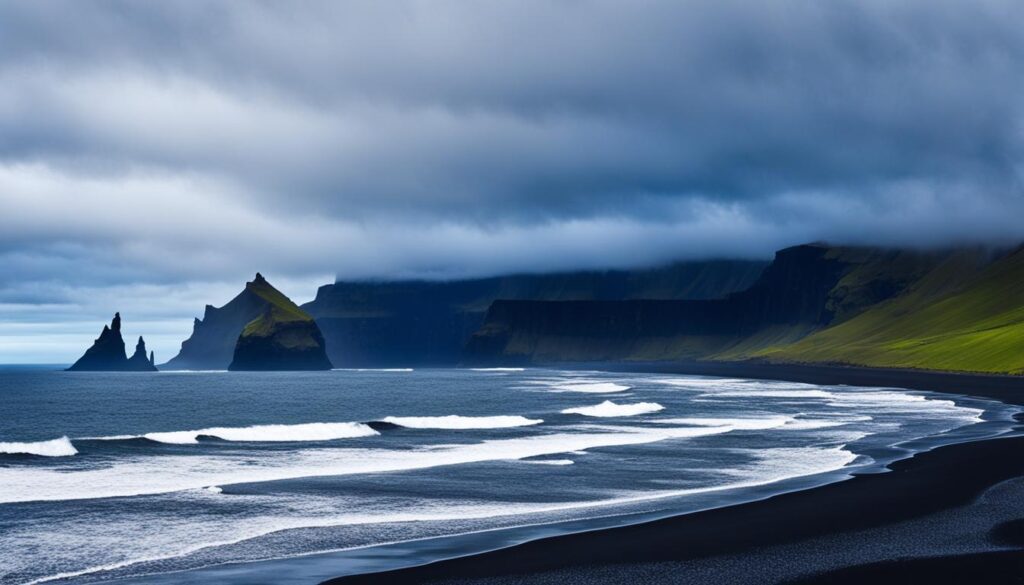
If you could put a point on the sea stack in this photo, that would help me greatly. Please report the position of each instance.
(139, 362)
(282, 337)
(107, 353)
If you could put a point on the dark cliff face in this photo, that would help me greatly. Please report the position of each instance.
(797, 294)
(415, 323)
(107, 353)
(285, 345)
(282, 337)
(212, 343)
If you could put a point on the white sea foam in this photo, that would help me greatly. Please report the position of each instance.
(555, 462)
(384, 370)
(903, 402)
(61, 447)
(770, 393)
(141, 475)
(737, 423)
(590, 387)
(611, 409)
(461, 422)
(179, 540)
(810, 425)
(700, 383)
(258, 433)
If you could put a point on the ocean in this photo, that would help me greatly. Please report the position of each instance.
(296, 477)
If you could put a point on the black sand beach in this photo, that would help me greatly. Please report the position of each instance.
(952, 515)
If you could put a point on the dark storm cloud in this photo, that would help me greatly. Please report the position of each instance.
(150, 144)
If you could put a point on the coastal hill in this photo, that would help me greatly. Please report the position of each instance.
(416, 322)
(269, 317)
(212, 343)
(960, 309)
(107, 353)
(966, 314)
(282, 337)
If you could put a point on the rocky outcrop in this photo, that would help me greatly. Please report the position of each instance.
(139, 362)
(107, 353)
(282, 337)
(212, 343)
(427, 323)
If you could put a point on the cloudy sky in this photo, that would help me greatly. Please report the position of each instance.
(155, 155)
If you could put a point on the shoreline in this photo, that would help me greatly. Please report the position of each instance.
(1006, 388)
(787, 531)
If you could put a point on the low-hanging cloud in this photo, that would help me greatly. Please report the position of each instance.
(185, 145)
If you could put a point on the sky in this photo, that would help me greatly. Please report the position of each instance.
(155, 155)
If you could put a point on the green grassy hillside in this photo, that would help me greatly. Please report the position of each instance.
(281, 309)
(282, 337)
(957, 316)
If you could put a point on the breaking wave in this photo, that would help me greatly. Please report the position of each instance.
(590, 387)
(137, 476)
(258, 433)
(461, 422)
(61, 447)
(382, 370)
(610, 409)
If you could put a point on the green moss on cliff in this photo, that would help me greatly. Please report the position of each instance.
(954, 318)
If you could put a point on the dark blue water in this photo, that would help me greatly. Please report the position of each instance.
(143, 476)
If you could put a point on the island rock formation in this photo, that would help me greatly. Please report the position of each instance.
(107, 353)
(282, 337)
(212, 343)
(139, 362)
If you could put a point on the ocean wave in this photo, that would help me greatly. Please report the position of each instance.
(590, 387)
(555, 462)
(147, 475)
(61, 447)
(256, 433)
(738, 423)
(383, 370)
(770, 466)
(700, 383)
(456, 422)
(497, 369)
(770, 393)
(810, 425)
(610, 409)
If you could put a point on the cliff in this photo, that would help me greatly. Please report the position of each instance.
(282, 337)
(107, 353)
(805, 292)
(212, 343)
(412, 323)
(964, 314)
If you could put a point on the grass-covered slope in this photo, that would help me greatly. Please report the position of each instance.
(963, 315)
(282, 337)
(280, 309)
(955, 309)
